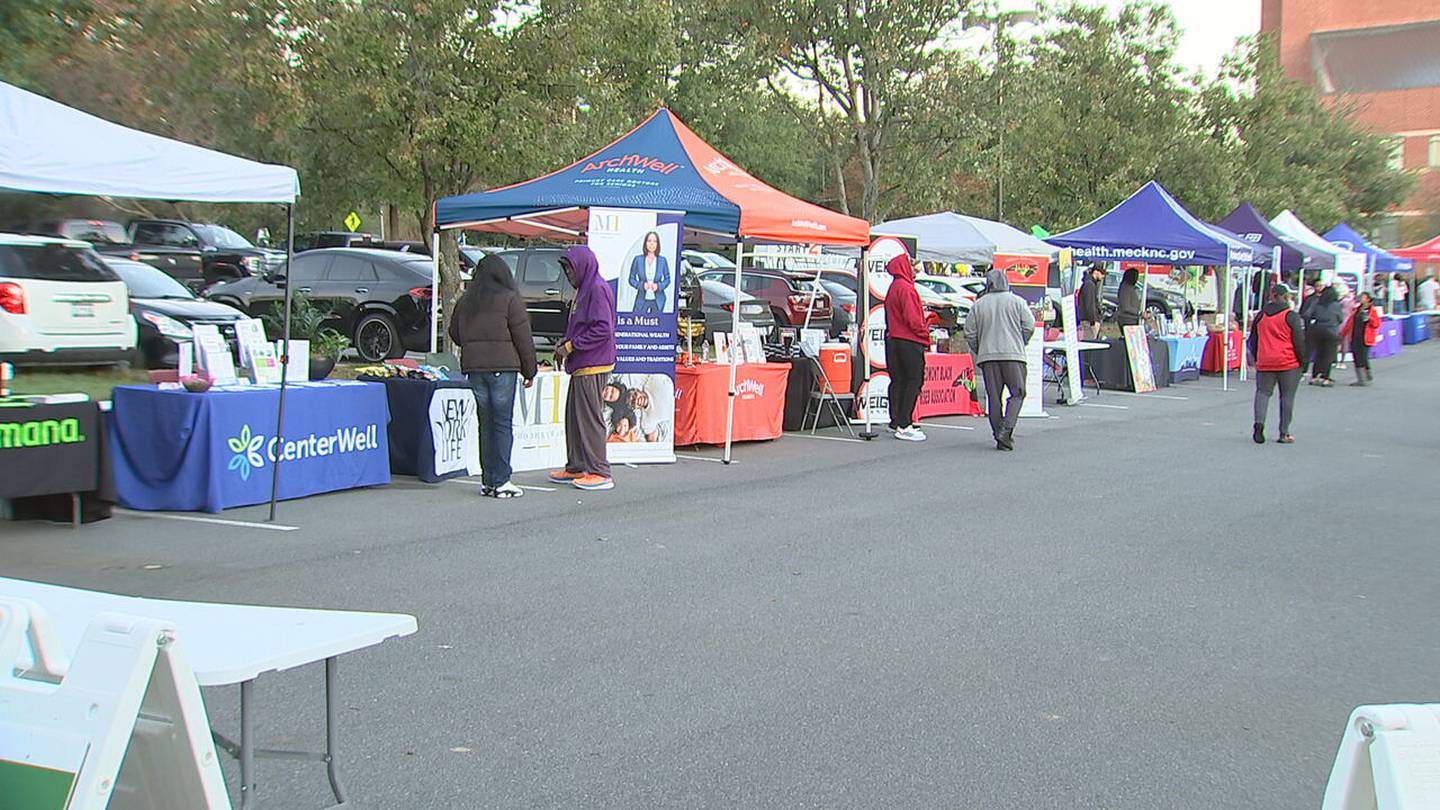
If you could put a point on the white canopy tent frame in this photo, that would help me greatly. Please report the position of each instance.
(49, 148)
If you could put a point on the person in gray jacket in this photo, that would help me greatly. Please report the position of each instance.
(998, 328)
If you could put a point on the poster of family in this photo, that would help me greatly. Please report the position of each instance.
(639, 254)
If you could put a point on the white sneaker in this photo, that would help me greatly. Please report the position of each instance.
(508, 490)
(910, 434)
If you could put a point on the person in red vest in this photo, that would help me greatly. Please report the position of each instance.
(1277, 342)
(1360, 340)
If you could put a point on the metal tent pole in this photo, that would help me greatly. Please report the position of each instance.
(1225, 333)
(284, 356)
(864, 275)
(435, 291)
(734, 330)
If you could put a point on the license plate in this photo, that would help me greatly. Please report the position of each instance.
(82, 310)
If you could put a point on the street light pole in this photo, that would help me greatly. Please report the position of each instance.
(999, 44)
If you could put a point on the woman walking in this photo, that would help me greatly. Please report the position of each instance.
(1127, 299)
(1277, 342)
(1322, 332)
(492, 328)
(1362, 330)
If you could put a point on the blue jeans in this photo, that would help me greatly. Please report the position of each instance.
(495, 404)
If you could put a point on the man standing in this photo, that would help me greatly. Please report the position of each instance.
(907, 336)
(1089, 304)
(999, 326)
(588, 352)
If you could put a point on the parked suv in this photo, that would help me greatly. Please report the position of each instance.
(61, 305)
(549, 296)
(380, 299)
(789, 295)
(197, 254)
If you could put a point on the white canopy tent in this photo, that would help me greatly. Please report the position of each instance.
(1346, 261)
(49, 148)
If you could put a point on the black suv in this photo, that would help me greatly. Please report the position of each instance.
(380, 299)
(195, 253)
(549, 296)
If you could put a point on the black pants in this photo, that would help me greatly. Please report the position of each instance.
(1359, 348)
(1325, 346)
(1000, 375)
(1265, 382)
(906, 360)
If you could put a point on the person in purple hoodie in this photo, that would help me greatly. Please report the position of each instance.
(587, 351)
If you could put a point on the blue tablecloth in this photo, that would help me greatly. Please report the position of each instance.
(1390, 341)
(1185, 356)
(1414, 329)
(174, 450)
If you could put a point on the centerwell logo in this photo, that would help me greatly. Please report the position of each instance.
(246, 456)
(40, 433)
(749, 389)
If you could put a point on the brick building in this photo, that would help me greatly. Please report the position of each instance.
(1383, 55)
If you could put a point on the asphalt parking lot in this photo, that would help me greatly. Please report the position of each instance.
(1138, 608)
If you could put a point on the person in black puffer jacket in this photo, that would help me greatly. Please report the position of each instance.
(492, 328)
(1322, 328)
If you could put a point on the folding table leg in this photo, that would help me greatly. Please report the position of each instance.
(247, 745)
(332, 732)
(74, 511)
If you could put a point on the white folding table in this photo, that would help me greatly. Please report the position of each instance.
(234, 644)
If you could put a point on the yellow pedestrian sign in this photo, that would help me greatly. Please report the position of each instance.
(352, 221)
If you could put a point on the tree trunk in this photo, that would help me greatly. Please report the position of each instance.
(449, 268)
(869, 167)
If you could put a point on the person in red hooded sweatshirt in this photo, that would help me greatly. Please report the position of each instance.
(1277, 342)
(907, 336)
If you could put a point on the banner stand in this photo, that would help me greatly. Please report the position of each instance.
(122, 725)
(1385, 760)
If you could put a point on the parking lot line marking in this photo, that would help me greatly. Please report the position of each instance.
(825, 438)
(1149, 396)
(924, 425)
(704, 458)
(242, 524)
(1098, 405)
(537, 489)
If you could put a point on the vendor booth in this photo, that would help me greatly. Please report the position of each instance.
(1348, 265)
(659, 178)
(54, 149)
(1151, 226)
(947, 237)
(1377, 260)
(1426, 252)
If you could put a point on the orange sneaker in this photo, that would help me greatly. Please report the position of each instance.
(593, 483)
(565, 476)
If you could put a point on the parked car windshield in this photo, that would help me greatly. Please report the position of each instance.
(144, 281)
(53, 263)
(222, 237)
(95, 231)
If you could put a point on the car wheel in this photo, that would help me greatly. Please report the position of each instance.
(376, 338)
(1156, 309)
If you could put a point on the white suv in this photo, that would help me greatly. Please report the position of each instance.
(61, 305)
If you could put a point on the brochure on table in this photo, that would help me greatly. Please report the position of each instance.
(213, 354)
(639, 255)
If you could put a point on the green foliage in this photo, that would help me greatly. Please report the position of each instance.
(308, 321)
(883, 108)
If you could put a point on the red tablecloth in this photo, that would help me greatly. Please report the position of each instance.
(1211, 361)
(701, 391)
(940, 395)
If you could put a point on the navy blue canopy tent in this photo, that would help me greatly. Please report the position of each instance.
(1381, 261)
(1150, 226)
(1251, 226)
